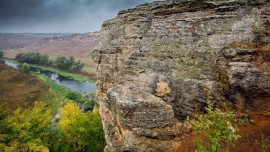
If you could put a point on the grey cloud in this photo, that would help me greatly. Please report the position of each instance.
(59, 15)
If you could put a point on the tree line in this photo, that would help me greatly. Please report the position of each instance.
(61, 62)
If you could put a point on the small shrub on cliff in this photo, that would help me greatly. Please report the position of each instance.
(218, 127)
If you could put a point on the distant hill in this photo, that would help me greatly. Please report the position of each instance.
(77, 45)
(17, 41)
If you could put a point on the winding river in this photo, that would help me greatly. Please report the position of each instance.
(74, 85)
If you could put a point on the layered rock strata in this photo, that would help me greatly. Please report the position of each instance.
(156, 61)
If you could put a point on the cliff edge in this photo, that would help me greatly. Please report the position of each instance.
(156, 60)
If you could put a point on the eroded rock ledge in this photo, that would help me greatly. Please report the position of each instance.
(156, 60)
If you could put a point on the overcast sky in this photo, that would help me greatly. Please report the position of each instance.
(66, 16)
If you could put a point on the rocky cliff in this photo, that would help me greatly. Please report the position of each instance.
(156, 60)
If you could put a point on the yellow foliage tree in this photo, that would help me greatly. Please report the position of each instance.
(82, 131)
(28, 130)
(70, 112)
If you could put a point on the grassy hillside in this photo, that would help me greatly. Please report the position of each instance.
(17, 41)
(18, 89)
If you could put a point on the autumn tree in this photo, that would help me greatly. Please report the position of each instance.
(32, 130)
(83, 131)
(27, 130)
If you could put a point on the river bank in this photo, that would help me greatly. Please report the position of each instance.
(66, 80)
(82, 76)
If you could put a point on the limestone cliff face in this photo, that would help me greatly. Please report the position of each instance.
(156, 60)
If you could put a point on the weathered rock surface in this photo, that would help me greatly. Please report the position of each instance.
(156, 60)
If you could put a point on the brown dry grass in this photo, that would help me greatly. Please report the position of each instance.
(263, 54)
(18, 89)
(260, 48)
(243, 45)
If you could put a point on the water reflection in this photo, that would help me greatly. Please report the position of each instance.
(69, 82)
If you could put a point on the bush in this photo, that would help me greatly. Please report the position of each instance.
(217, 127)
(26, 68)
(71, 95)
(75, 96)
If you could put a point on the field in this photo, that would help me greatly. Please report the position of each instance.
(79, 46)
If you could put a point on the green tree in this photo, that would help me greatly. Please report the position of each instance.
(216, 126)
(44, 60)
(26, 68)
(77, 66)
(89, 101)
(61, 62)
(71, 61)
